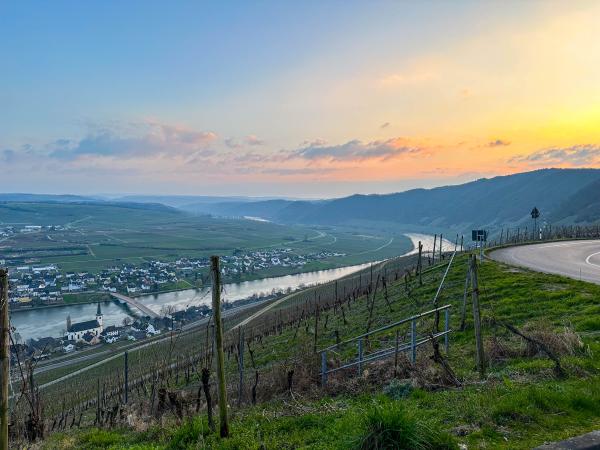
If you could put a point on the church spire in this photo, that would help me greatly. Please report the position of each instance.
(99, 317)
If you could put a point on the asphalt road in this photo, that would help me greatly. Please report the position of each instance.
(575, 259)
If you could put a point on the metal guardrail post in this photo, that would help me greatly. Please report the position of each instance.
(446, 328)
(413, 341)
(360, 356)
(324, 369)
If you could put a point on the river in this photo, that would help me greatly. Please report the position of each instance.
(52, 321)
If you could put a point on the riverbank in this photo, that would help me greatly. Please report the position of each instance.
(49, 321)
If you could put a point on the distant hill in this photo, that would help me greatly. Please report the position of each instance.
(18, 197)
(192, 203)
(88, 214)
(558, 194)
(582, 206)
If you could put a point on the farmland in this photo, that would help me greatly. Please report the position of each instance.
(90, 237)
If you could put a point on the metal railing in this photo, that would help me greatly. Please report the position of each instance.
(412, 345)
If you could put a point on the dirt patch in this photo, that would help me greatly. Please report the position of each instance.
(550, 287)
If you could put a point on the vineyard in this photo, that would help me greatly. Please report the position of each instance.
(273, 349)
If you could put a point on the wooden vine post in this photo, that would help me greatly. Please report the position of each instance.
(216, 306)
(4, 359)
(477, 317)
(420, 264)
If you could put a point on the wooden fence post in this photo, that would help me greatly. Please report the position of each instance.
(446, 329)
(126, 385)
(433, 253)
(241, 364)
(477, 318)
(216, 305)
(396, 347)
(420, 264)
(4, 359)
(463, 312)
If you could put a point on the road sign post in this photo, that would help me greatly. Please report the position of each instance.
(535, 213)
(479, 236)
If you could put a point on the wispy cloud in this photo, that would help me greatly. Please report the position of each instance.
(356, 150)
(253, 140)
(576, 155)
(146, 139)
(498, 143)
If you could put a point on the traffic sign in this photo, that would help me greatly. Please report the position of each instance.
(479, 235)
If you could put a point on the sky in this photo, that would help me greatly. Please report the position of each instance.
(304, 99)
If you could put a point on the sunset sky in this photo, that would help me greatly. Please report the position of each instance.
(302, 99)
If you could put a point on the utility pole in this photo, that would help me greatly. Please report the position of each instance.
(216, 306)
(4, 359)
(477, 318)
(433, 254)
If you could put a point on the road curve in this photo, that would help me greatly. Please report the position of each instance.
(574, 259)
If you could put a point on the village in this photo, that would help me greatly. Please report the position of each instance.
(46, 285)
(82, 335)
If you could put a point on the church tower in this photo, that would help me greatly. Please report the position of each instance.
(99, 315)
(68, 322)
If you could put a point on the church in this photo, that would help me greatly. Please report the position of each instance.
(88, 331)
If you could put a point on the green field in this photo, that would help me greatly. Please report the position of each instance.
(98, 236)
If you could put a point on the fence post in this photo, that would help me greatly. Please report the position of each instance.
(241, 364)
(4, 359)
(446, 328)
(413, 341)
(216, 306)
(477, 318)
(420, 264)
(396, 352)
(463, 312)
(126, 385)
(324, 368)
(360, 355)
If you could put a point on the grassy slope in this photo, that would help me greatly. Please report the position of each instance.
(520, 405)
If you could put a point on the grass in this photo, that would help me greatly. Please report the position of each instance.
(520, 404)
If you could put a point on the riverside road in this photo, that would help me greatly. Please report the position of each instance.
(575, 259)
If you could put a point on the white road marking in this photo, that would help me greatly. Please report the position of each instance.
(587, 260)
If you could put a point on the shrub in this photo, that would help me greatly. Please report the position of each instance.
(189, 433)
(390, 426)
(397, 390)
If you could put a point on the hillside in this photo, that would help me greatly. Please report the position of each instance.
(582, 206)
(486, 202)
(88, 213)
(522, 402)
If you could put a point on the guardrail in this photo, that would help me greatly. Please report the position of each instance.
(399, 347)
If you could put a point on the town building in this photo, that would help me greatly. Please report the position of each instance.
(88, 332)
